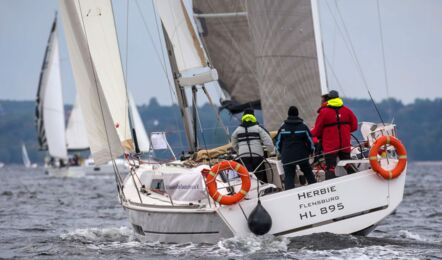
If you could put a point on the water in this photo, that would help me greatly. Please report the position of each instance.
(45, 217)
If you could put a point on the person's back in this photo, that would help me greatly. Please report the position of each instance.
(295, 145)
(248, 140)
(334, 125)
(294, 140)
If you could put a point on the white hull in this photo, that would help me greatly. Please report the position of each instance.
(71, 171)
(104, 169)
(345, 205)
(91, 169)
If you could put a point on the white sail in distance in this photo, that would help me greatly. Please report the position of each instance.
(94, 55)
(142, 138)
(25, 156)
(76, 136)
(50, 108)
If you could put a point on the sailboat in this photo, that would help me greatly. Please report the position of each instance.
(196, 200)
(54, 136)
(49, 111)
(26, 161)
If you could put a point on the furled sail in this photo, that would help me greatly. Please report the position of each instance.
(50, 110)
(286, 58)
(76, 136)
(190, 57)
(94, 54)
(224, 29)
(143, 140)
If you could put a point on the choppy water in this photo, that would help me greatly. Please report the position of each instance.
(46, 217)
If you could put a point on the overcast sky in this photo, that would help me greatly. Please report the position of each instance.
(411, 41)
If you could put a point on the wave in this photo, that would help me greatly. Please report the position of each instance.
(93, 235)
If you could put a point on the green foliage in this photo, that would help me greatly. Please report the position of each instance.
(419, 126)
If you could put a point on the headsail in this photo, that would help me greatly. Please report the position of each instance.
(143, 140)
(224, 28)
(50, 110)
(94, 55)
(286, 58)
(76, 136)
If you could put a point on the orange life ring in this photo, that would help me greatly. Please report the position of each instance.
(213, 189)
(402, 155)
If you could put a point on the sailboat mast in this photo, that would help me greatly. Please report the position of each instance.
(181, 94)
(319, 47)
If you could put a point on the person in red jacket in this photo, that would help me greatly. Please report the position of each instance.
(334, 125)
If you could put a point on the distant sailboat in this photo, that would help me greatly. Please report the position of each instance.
(50, 118)
(25, 157)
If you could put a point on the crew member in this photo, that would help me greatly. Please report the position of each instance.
(248, 141)
(334, 125)
(294, 143)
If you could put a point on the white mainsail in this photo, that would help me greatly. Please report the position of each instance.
(143, 140)
(94, 54)
(50, 110)
(25, 156)
(76, 136)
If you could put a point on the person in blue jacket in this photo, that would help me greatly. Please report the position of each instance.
(294, 144)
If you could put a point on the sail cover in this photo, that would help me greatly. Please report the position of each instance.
(76, 136)
(224, 29)
(50, 110)
(96, 64)
(286, 59)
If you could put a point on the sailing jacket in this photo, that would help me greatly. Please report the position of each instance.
(248, 140)
(294, 140)
(334, 126)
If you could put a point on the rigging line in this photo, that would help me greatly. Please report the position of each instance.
(218, 116)
(198, 119)
(126, 60)
(354, 56)
(98, 92)
(381, 34)
(161, 58)
(334, 75)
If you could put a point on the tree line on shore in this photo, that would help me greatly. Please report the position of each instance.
(419, 126)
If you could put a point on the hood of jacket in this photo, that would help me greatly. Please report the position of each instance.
(335, 102)
(293, 120)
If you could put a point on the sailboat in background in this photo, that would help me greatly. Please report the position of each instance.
(168, 202)
(26, 161)
(49, 111)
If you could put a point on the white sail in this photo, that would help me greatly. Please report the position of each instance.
(143, 140)
(50, 110)
(94, 56)
(189, 54)
(76, 136)
(25, 156)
